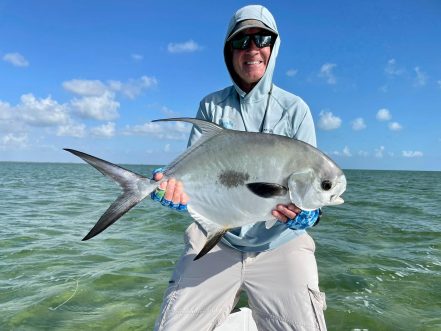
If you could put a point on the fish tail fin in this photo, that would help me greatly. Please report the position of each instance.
(212, 240)
(135, 188)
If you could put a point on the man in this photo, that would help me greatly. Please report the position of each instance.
(276, 267)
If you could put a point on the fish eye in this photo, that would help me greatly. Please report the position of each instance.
(326, 185)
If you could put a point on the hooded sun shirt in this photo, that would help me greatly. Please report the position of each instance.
(266, 108)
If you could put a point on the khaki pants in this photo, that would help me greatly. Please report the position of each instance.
(281, 285)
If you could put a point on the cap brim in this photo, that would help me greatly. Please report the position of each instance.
(248, 24)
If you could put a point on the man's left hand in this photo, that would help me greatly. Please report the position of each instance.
(286, 212)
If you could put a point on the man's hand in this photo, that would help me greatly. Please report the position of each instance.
(295, 218)
(174, 195)
(286, 212)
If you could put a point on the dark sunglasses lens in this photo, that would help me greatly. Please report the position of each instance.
(262, 41)
(241, 42)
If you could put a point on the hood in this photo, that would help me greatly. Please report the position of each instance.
(262, 14)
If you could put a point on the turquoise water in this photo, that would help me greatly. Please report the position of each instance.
(379, 254)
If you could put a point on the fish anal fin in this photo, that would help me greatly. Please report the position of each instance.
(270, 223)
(212, 240)
(267, 190)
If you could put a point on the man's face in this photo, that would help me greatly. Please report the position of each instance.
(250, 64)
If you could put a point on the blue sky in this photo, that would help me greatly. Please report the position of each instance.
(91, 75)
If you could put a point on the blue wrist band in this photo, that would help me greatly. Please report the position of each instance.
(305, 219)
(165, 202)
(182, 207)
(174, 205)
(156, 171)
(157, 194)
(178, 206)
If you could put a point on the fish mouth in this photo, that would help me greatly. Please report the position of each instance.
(336, 200)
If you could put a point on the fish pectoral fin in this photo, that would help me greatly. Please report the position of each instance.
(212, 240)
(267, 190)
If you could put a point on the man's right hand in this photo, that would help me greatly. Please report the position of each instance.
(174, 195)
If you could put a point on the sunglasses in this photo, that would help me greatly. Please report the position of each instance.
(243, 41)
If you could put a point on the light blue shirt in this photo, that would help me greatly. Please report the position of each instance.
(286, 114)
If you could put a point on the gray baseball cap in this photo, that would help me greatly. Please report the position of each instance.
(248, 24)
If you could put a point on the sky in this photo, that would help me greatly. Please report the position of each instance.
(92, 75)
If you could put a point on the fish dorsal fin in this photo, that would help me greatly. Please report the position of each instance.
(208, 130)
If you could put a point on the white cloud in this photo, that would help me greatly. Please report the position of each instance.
(31, 112)
(358, 124)
(412, 154)
(168, 112)
(291, 72)
(327, 74)
(85, 87)
(72, 130)
(345, 152)
(16, 59)
(6, 112)
(384, 88)
(421, 77)
(167, 148)
(13, 140)
(146, 128)
(131, 88)
(392, 69)
(363, 153)
(383, 115)
(395, 126)
(42, 112)
(171, 131)
(185, 47)
(137, 57)
(103, 107)
(379, 152)
(105, 130)
(327, 121)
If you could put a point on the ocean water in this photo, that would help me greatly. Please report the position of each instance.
(379, 254)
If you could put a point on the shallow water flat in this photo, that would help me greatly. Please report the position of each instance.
(379, 254)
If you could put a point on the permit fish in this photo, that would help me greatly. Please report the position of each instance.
(233, 178)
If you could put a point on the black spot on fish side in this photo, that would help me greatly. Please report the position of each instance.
(231, 178)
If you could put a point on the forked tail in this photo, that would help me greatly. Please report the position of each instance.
(135, 188)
